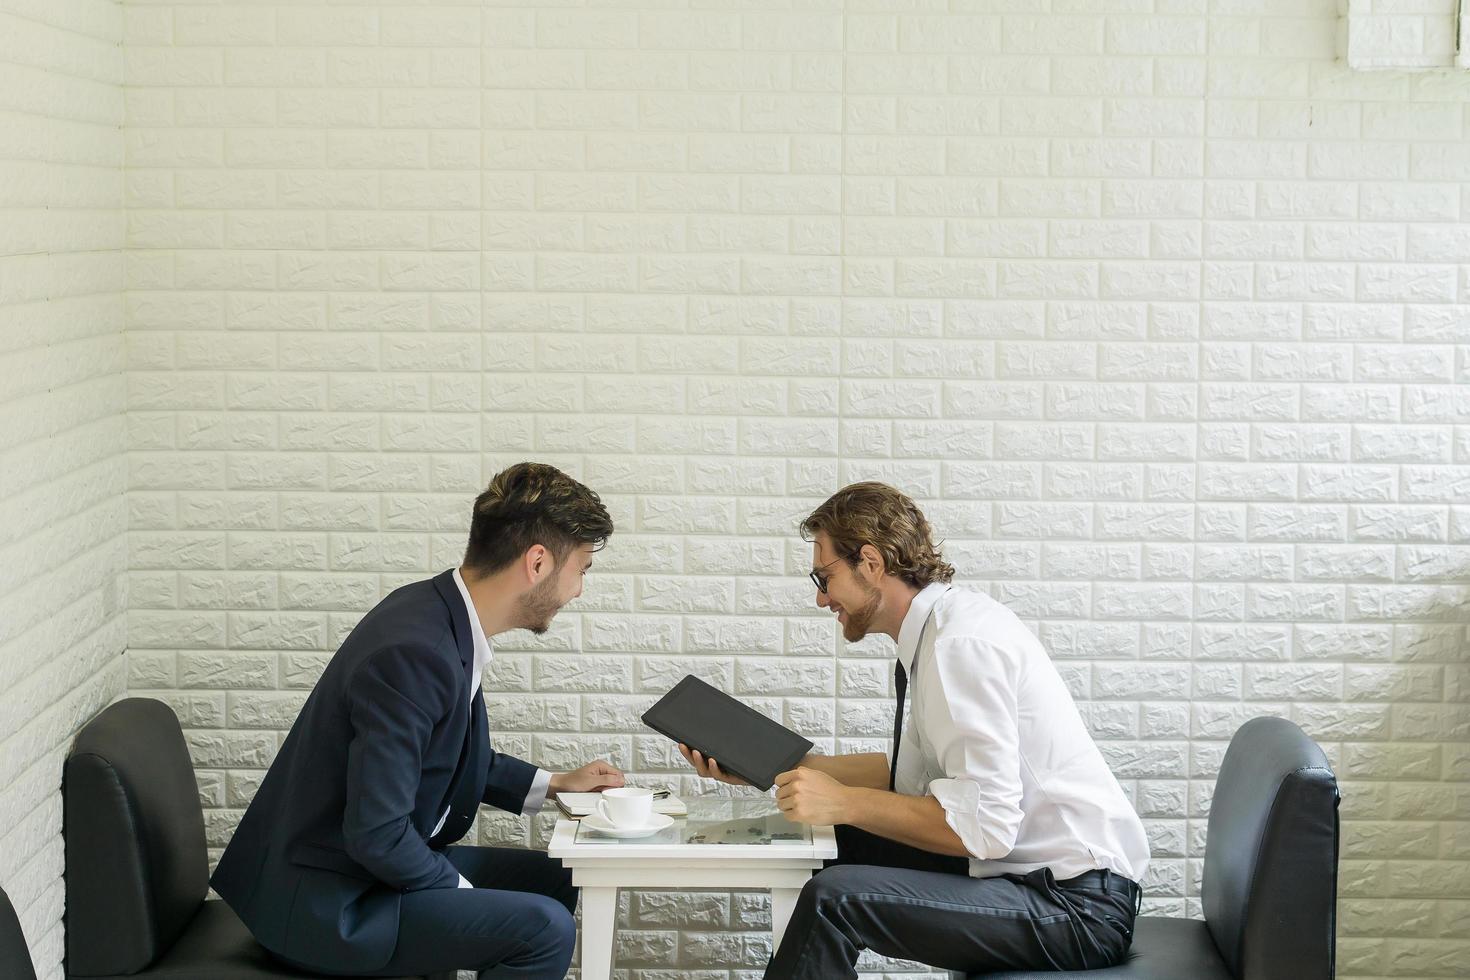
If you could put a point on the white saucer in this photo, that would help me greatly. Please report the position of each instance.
(595, 823)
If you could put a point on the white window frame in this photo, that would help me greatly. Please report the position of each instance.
(1361, 33)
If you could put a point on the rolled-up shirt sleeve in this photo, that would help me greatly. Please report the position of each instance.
(971, 722)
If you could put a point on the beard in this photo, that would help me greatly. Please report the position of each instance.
(860, 619)
(536, 608)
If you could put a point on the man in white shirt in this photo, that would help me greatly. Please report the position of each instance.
(993, 836)
(345, 861)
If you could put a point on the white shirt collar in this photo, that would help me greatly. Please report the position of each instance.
(913, 622)
(483, 651)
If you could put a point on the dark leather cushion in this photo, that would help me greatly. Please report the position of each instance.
(15, 957)
(136, 868)
(1163, 949)
(1269, 887)
(216, 945)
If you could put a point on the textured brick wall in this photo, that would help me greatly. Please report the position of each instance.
(1163, 315)
(63, 471)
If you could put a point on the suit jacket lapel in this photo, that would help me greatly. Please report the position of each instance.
(459, 619)
(468, 783)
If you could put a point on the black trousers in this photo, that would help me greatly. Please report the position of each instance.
(914, 905)
(515, 923)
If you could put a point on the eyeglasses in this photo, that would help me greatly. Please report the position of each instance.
(819, 579)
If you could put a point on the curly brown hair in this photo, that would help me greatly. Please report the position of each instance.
(879, 515)
(533, 503)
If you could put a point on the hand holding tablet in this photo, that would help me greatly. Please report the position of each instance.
(708, 767)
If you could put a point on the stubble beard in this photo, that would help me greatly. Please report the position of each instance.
(538, 606)
(860, 619)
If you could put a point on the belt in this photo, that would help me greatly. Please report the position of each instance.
(1106, 881)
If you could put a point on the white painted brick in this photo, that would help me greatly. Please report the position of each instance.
(895, 73)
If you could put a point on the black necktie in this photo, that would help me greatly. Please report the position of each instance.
(900, 681)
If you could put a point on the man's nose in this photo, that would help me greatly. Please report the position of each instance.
(822, 600)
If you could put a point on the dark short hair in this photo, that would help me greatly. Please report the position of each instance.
(529, 504)
(879, 515)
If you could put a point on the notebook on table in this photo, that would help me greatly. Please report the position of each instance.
(743, 741)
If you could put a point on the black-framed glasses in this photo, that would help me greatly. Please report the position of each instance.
(819, 579)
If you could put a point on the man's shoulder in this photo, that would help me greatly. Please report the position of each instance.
(406, 641)
(421, 592)
(412, 616)
(967, 614)
(962, 608)
(414, 603)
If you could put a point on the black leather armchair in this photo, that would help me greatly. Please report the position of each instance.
(15, 957)
(136, 868)
(1270, 877)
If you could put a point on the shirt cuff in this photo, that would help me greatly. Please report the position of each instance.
(537, 794)
(464, 882)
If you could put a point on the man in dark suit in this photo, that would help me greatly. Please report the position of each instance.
(342, 861)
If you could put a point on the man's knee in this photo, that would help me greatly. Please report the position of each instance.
(825, 889)
(550, 929)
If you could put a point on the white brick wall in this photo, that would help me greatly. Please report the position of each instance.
(1163, 314)
(63, 469)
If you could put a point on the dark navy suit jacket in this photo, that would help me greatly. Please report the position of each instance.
(341, 826)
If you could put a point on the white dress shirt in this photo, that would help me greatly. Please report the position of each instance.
(994, 736)
(483, 652)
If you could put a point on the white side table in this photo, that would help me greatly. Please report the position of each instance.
(723, 843)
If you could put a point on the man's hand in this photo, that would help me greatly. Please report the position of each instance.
(708, 768)
(808, 796)
(591, 778)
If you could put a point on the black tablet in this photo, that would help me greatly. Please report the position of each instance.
(742, 740)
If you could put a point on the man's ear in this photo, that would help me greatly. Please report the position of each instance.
(538, 563)
(872, 560)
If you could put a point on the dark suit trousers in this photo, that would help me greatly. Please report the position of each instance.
(914, 905)
(515, 923)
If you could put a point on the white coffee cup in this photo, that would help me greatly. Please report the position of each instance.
(627, 806)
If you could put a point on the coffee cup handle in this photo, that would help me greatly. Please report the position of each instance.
(602, 812)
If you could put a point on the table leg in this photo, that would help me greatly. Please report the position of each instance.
(599, 918)
(783, 903)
